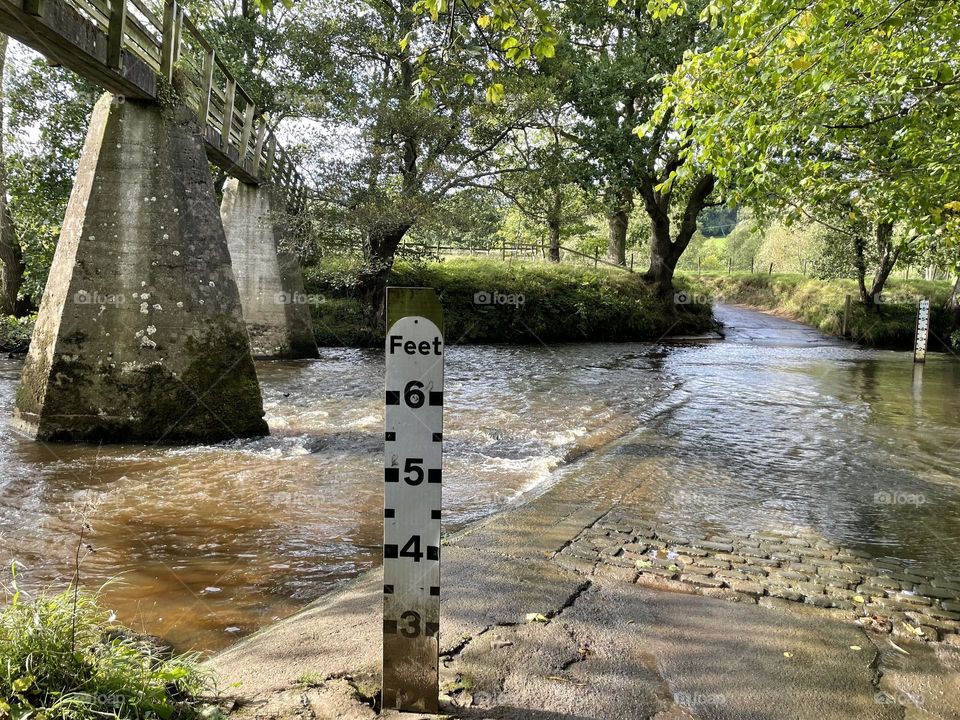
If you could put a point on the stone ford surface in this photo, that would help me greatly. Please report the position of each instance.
(275, 306)
(140, 335)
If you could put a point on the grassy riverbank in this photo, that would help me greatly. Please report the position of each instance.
(488, 301)
(15, 333)
(820, 303)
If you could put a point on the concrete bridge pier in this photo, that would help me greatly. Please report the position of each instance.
(275, 307)
(140, 335)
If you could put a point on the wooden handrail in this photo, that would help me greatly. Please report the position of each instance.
(146, 39)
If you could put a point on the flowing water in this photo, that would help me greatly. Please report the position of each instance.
(775, 427)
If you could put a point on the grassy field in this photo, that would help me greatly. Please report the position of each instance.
(820, 303)
(491, 301)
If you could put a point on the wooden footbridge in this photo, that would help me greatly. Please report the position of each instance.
(160, 293)
(131, 48)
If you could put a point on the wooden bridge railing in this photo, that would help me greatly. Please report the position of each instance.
(132, 47)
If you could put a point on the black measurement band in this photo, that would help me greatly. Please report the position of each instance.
(436, 398)
(393, 397)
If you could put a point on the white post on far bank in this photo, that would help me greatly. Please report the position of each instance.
(413, 474)
(923, 332)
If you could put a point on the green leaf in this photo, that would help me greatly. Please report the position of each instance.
(495, 93)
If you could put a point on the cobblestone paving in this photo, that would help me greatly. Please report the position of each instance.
(881, 594)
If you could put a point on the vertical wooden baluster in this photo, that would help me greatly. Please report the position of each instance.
(206, 92)
(258, 151)
(168, 53)
(248, 115)
(118, 27)
(228, 103)
(271, 158)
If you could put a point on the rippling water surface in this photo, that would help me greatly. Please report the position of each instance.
(775, 427)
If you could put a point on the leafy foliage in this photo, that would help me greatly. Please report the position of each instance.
(828, 103)
(48, 111)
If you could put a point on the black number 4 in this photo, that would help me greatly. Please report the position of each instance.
(412, 549)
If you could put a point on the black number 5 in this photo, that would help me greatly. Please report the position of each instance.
(412, 468)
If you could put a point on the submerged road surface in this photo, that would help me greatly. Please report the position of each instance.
(776, 427)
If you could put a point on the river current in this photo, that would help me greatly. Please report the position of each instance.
(775, 427)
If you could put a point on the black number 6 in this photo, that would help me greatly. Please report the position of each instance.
(413, 394)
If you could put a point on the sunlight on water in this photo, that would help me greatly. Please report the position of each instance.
(774, 428)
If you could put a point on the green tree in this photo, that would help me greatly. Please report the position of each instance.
(48, 110)
(12, 267)
(613, 57)
(393, 137)
(830, 105)
(544, 175)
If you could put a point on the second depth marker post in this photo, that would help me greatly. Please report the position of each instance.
(413, 476)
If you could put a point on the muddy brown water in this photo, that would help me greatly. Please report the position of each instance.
(776, 427)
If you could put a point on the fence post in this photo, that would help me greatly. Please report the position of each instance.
(771, 269)
(228, 104)
(698, 265)
(729, 266)
(596, 257)
(631, 262)
(752, 261)
(503, 250)
(438, 250)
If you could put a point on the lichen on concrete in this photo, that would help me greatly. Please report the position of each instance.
(140, 335)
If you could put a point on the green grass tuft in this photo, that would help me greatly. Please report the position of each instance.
(61, 660)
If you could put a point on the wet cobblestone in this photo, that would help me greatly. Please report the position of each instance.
(884, 594)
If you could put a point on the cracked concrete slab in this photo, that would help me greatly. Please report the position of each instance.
(611, 648)
(622, 651)
(341, 635)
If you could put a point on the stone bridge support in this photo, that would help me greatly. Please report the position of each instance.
(275, 307)
(140, 335)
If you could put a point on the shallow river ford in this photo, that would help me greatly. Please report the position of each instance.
(774, 428)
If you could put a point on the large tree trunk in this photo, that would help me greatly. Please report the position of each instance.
(618, 220)
(888, 256)
(860, 266)
(11, 256)
(666, 251)
(554, 227)
(380, 248)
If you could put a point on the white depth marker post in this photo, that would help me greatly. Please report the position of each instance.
(411, 511)
(923, 331)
